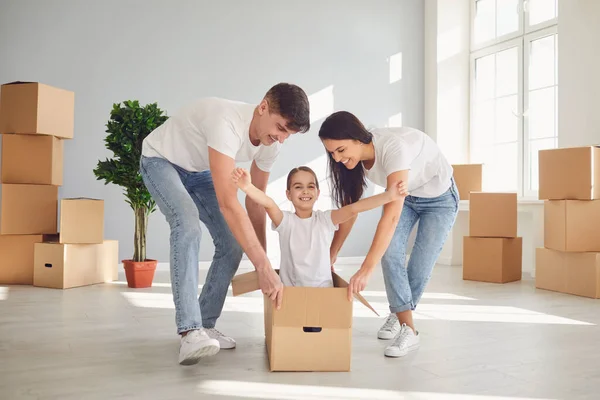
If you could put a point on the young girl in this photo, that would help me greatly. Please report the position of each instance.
(306, 234)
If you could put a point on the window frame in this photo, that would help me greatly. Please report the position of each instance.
(527, 40)
(521, 38)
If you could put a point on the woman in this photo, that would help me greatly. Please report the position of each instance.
(385, 156)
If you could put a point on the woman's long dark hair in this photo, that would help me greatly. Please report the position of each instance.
(348, 184)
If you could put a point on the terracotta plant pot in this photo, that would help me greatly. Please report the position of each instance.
(139, 274)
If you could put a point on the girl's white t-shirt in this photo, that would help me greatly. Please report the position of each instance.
(402, 148)
(304, 244)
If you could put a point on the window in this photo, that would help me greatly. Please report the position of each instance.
(514, 90)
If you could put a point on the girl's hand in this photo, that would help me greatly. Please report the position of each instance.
(359, 281)
(241, 177)
(400, 191)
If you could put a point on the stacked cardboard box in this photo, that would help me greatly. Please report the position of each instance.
(492, 252)
(468, 178)
(35, 120)
(569, 262)
(81, 256)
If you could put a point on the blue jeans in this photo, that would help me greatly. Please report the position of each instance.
(405, 285)
(187, 198)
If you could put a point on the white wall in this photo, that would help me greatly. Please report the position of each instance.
(171, 52)
(578, 72)
(447, 76)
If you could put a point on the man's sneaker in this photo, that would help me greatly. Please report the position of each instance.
(390, 328)
(406, 340)
(225, 342)
(195, 345)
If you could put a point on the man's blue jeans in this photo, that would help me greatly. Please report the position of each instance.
(187, 198)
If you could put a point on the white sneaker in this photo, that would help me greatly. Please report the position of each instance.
(390, 328)
(405, 341)
(195, 345)
(225, 342)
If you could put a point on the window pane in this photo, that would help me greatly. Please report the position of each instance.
(541, 11)
(483, 124)
(507, 72)
(485, 17)
(507, 13)
(541, 116)
(503, 170)
(534, 147)
(485, 77)
(542, 62)
(507, 127)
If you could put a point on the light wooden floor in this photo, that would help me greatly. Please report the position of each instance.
(478, 342)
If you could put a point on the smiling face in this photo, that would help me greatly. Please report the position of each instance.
(345, 151)
(303, 189)
(268, 127)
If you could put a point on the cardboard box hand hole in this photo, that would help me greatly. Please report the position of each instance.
(312, 331)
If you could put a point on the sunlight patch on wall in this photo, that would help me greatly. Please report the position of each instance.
(395, 62)
(395, 120)
(321, 103)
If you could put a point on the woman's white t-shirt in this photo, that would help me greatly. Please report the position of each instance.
(304, 244)
(402, 148)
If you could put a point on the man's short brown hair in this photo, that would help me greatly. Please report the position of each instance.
(291, 102)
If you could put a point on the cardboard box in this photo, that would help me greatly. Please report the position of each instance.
(313, 329)
(569, 173)
(16, 258)
(28, 209)
(32, 159)
(35, 108)
(493, 215)
(468, 178)
(63, 266)
(572, 225)
(81, 221)
(496, 260)
(570, 273)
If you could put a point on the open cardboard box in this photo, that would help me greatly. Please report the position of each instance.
(312, 331)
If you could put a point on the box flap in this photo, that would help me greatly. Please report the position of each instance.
(248, 282)
(17, 83)
(81, 198)
(338, 281)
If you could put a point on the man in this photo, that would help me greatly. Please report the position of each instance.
(186, 165)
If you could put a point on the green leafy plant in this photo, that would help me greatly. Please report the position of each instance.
(127, 127)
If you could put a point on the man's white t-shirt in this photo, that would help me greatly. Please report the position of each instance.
(398, 149)
(222, 124)
(304, 244)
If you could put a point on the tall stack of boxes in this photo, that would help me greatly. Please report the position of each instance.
(569, 184)
(492, 252)
(35, 120)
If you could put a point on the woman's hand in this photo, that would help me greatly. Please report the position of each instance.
(359, 281)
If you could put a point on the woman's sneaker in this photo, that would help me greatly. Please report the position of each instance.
(406, 340)
(195, 345)
(390, 328)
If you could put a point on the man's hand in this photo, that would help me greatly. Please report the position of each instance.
(359, 281)
(271, 285)
(241, 177)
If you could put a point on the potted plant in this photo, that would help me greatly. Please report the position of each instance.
(127, 127)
